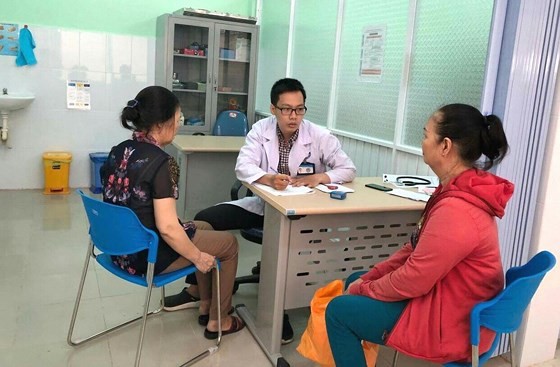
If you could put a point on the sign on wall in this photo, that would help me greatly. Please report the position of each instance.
(9, 39)
(78, 95)
(373, 52)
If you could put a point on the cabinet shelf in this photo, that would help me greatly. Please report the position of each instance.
(234, 60)
(217, 38)
(190, 56)
(234, 93)
(188, 90)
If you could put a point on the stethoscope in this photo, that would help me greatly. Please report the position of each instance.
(412, 181)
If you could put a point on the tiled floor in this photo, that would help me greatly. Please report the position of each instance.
(41, 256)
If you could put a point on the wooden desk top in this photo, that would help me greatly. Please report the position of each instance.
(208, 143)
(363, 200)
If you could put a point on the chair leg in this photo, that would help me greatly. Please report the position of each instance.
(69, 339)
(144, 317)
(211, 350)
(149, 280)
(395, 358)
(219, 300)
(89, 254)
(511, 349)
(474, 356)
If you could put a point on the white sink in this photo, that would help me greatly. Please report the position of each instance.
(15, 101)
(11, 102)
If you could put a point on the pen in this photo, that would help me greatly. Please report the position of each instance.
(275, 171)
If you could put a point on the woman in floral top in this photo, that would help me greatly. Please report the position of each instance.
(140, 175)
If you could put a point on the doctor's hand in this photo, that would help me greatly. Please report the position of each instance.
(276, 181)
(280, 181)
(311, 180)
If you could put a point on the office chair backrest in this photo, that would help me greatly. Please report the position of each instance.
(116, 230)
(231, 123)
(504, 313)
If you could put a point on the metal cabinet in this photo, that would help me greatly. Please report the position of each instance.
(209, 64)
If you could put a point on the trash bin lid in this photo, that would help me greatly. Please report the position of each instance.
(58, 156)
(98, 156)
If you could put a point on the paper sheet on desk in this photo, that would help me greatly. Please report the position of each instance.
(290, 190)
(324, 188)
(409, 195)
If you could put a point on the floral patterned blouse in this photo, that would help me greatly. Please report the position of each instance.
(136, 172)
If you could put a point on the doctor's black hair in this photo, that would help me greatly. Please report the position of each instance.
(474, 133)
(151, 106)
(285, 85)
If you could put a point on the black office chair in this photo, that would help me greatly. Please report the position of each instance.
(250, 234)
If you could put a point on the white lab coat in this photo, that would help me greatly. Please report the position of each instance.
(315, 144)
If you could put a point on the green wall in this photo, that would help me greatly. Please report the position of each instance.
(110, 16)
(273, 49)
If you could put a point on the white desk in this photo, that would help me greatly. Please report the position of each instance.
(312, 239)
(207, 165)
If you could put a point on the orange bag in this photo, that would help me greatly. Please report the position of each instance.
(314, 343)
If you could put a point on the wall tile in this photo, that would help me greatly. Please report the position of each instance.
(93, 51)
(143, 54)
(122, 88)
(47, 125)
(119, 54)
(65, 49)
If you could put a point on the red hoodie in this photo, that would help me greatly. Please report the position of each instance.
(455, 265)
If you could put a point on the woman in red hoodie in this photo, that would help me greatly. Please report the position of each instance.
(419, 300)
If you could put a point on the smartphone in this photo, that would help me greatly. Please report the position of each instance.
(378, 187)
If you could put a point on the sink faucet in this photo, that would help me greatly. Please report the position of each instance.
(5, 91)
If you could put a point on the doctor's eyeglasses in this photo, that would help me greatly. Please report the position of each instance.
(286, 111)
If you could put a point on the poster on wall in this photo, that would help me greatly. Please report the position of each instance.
(78, 95)
(373, 52)
(9, 39)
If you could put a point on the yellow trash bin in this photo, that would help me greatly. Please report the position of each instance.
(57, 172)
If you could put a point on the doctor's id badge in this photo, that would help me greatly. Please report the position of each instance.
(306, 168)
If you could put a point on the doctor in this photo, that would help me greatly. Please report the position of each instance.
(287, 149)
(279, 150)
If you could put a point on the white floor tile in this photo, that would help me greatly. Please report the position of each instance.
(58, 354)
(44, 242)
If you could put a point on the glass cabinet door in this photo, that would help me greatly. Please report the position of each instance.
(233, 66)
(190, 74)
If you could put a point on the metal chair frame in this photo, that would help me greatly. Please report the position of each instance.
(504, 313)
(95, 209)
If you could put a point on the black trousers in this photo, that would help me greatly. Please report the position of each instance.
(224, 217)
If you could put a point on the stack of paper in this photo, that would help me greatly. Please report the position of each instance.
(336, 187)
(409, 195)
(290, 190)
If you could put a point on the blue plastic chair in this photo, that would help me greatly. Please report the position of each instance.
(504, 313)
(231, 123)
(116, 230)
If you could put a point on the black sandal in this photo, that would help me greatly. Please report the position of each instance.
(236, 325)
(203, 319)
